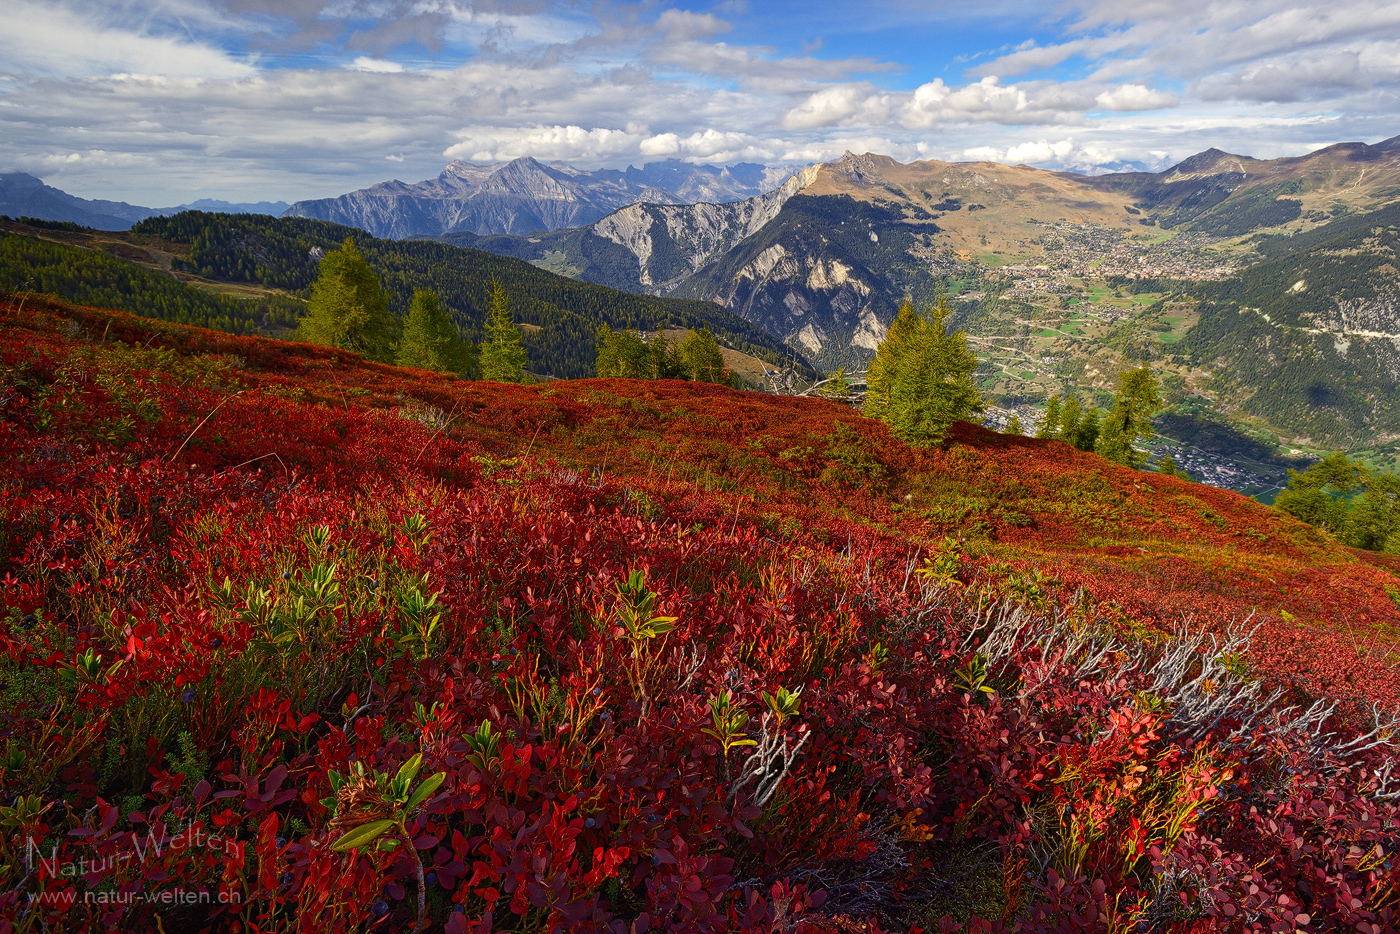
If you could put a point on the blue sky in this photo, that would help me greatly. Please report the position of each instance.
(164, 101)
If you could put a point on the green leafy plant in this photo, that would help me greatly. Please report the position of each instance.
(360, 797)
(640, 624)
(783, 703)
(972, 677)
(941, 569)
(727, 724)
(485, 747)
(415, 529)
(420, 619)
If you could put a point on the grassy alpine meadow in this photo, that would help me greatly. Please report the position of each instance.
(293, 641)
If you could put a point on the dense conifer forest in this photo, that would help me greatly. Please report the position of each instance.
(561, 315)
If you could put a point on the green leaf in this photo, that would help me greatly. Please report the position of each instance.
(409, 770)
(361, 835)
(425, 791)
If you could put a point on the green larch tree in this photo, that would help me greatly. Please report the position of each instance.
(430, 340)
(1050, 421)
(503, 356)
(879, 377)
(701, 358)
(348, 308)
(622, 354)
(1130, 419)
(1086, 436)
(928, 373)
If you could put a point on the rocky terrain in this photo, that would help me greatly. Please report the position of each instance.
(524, 195)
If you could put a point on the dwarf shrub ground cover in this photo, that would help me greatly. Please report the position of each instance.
(296, 642)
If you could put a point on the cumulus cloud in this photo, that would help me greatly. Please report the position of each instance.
(842, 105)
(150, 100)
(546, 143)
(985, 101)
(1135, 97)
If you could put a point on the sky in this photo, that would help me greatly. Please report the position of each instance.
(165, 101)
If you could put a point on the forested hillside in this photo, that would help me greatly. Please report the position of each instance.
(28, 264)
(561, 314)
(1307, 338)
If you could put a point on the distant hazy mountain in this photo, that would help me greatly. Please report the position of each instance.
(23, 195)
(214, 206)
(525, 195)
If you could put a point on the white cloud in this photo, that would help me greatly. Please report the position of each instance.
(1040, 152)
(546, 143)
(57, 39)
(141, 99)
(1127, 97)
(662, 144)
(375, 65)
(842, 105)
(682, 25)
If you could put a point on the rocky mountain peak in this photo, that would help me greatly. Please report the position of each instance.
(1211, 162)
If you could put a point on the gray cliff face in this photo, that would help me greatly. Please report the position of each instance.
(524, 196)
(673, 241)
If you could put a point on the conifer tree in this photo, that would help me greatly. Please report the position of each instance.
(430, 340)
(879, 378)
(503, 357)
(1130, 419)
(664, 359)
(1167, 466)
(1050, 421)
(1086, 435)
(925, 376)
(701, 358)
(1013, 425)
(1069, 421)
(622, 354)
(348, 308)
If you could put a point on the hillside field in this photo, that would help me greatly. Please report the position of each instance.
(423, 653)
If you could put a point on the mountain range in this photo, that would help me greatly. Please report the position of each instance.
(1059, 279)
(525, 195)
(23, 195)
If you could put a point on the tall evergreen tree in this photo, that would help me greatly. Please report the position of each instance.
(664, 359)
(899, 339)
(1130, 419)
(1013, 425)
(627, 355)
(929, 377)
(1050, 421)
(503, 357)
(701, 358)
(621, 354)
(1086, 437)
(1069, 420)
(430, 340)
(348, 308)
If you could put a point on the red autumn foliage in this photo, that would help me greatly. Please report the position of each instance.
(249, 585)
